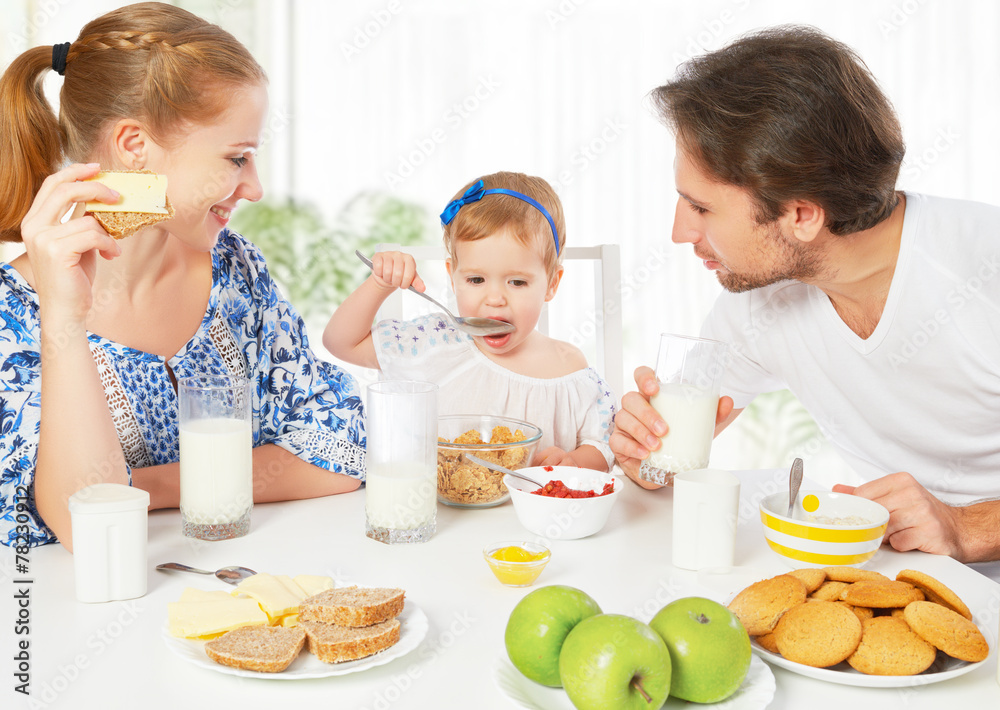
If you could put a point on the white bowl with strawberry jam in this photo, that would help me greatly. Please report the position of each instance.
(574, 503)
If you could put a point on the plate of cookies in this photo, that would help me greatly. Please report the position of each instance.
(859, 627)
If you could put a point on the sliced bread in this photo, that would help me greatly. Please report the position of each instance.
(267, 649)
(352, 606)
(124, 224)
(143, 201)
(336, 644)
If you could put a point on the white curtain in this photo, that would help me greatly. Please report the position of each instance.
(416, 97)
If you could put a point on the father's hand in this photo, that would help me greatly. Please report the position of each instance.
(917, 520)
(638, 427)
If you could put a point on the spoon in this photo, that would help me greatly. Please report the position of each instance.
(471, 325)
(794, 481)
(229, 575)
(500, 469)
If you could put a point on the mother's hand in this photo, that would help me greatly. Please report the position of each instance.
(638, 427)
(63, 255)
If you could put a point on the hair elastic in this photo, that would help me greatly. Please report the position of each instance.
(59, 54)
(478, 192)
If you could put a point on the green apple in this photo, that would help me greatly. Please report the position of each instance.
(538, 626)
(611, 661)
(709, 649)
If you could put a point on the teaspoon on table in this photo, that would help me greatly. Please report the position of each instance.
(471, 325)
(229, 575)
(500, 469)
(794, 481)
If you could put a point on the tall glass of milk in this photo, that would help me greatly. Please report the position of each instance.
(216, 441)
(689, 373)
(401, 477)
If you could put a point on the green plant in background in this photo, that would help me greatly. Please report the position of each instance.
(776, 428)
(314, 262)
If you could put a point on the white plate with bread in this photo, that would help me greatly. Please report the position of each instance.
(412, 630)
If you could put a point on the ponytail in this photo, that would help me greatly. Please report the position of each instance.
(31, 144)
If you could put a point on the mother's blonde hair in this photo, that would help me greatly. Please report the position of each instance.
(150, 61)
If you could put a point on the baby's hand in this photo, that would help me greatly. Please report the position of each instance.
(395, 269)
(554, 456)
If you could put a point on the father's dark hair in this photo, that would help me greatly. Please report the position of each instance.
(789, 113)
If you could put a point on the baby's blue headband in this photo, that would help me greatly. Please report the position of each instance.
(478, 191)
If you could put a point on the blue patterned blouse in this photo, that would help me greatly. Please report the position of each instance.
(249, 330)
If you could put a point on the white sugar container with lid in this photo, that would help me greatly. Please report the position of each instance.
(109, 541)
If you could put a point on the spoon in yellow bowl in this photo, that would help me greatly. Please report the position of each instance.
(794, 481)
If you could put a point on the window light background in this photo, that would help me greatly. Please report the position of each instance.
(416, 97)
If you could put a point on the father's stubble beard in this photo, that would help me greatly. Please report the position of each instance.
(784, 259)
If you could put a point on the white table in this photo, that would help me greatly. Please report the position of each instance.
(112, 655)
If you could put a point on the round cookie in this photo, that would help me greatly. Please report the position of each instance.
(768, 642)
(760, 605)
(935, 591)
(881, 595)
(811, 577)
(819, 634)
(889, 647)
(829, 591)
(853, 574)
(862, 612)
(947, 630)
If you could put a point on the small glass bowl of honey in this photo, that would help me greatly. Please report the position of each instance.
(517, 564)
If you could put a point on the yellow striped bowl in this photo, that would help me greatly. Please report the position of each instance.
(825, 528)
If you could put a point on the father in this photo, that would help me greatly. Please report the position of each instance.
(878, 309)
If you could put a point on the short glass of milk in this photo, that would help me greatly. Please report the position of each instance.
(216, 442)
(401, 476)
(689, 373)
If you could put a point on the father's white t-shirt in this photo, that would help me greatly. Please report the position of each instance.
(922, 393)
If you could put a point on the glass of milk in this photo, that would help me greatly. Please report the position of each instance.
(401, 478)
(689, 372)
(216, 441)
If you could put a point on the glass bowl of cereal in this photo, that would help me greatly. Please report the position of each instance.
(508, 442)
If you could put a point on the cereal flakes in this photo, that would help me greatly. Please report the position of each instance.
(466, 483)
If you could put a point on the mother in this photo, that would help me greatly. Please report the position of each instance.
(96, 333)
